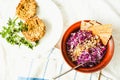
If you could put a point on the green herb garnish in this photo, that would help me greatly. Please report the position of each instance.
(12, 31)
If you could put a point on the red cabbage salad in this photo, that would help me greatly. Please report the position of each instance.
(85, 48)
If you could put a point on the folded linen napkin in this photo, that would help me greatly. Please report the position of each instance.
(13, 66)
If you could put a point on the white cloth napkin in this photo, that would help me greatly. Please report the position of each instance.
(14, 67)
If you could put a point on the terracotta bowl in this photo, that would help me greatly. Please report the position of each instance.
(106, 59)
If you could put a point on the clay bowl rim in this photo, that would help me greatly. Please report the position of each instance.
(101, 65)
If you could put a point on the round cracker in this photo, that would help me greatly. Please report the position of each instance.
(26, 9)
(36, 29)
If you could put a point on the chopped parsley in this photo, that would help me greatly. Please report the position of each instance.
(12, 31)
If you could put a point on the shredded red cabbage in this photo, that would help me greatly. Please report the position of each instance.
(90, 57)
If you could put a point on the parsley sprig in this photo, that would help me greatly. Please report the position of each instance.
(12, 31)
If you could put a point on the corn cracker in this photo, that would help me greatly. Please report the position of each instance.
(103, 31)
